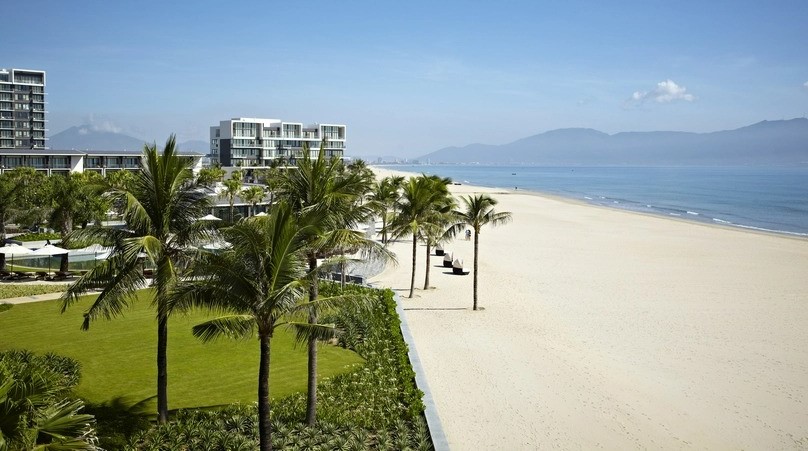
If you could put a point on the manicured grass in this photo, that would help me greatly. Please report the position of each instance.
(16, 290)
(118, 357)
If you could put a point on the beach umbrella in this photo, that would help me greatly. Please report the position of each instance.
(14, 249)
(48, 250)
(209, 218)
(263, 213)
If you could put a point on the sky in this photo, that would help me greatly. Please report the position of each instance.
(411, 77)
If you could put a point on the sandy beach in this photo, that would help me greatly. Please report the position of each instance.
(609, 329)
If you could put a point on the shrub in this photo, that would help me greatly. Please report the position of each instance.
(38, 410)
(16, 290)
(35, 236)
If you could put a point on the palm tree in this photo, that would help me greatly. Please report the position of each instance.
(232, 188)
(383, 197)
(74, 200)
(435, 226)
(324, 199)
(416, 209)
(479, 211)
(259, 283)
(254, 195)
(160, 207)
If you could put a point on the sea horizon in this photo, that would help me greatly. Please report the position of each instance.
(770, 199)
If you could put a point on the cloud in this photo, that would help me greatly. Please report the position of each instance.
(665, 92)
(102, 125)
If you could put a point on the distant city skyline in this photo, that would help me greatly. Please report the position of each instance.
(408, 78)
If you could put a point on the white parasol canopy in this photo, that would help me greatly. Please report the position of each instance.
(209, 218)
(263, 213)
(14, 249)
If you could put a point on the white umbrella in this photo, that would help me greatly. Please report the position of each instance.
(48, 250)
(14, 249)
(263, 213)
(209, 218)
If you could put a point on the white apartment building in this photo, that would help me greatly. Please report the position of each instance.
(253, 142)
(22, 109)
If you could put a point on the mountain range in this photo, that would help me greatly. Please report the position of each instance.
(87, 137)
(767, 142)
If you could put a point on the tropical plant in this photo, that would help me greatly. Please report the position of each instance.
(232, 188)
(254, 195)
(74, 200)
(17, 194)
(478, 212)
(160, 208)
(383, 197)
(211, 175)
(416, 210)
(37, 407)
(325, 199)
(259, 282)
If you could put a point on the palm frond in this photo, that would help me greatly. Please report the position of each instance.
(232, 326)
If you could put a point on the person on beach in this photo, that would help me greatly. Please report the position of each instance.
(468, 234)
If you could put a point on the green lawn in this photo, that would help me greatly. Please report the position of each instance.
(118, 356)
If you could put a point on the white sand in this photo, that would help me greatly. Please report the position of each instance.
(614, 330)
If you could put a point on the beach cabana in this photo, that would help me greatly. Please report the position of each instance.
(457, 266)
(439, 250)
(447, 260)
(48, 250)
(14, 249)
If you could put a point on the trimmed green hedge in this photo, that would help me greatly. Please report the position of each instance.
(4, 307)
(18, 290)
(33, 236)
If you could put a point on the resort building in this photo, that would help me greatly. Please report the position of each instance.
(22, 109)
(63, 161)
(252, 142)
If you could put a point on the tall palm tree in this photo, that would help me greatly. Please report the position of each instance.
(160, 207)
(254, 195)
(479, 211)
(258, 284)
(232, 188)
(324, 199)
(382, 199)
(416, 208)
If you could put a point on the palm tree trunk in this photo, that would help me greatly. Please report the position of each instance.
(476, 251)
(426, 278)
(311, 395)
(414, 249)
(264, 425)
(384, 228)
(162, 368)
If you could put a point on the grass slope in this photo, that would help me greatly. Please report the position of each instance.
(118, 357)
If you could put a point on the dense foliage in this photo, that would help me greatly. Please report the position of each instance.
(375, 406)
(37, 407)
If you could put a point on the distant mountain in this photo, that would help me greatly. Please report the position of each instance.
(85, 137)
(194, 146)
(767, 142)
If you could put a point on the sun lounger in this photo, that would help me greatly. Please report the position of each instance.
(63, 275)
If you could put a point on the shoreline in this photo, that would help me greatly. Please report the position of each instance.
(641, 332)
(496, 190)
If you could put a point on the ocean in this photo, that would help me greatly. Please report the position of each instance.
(771, 199)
